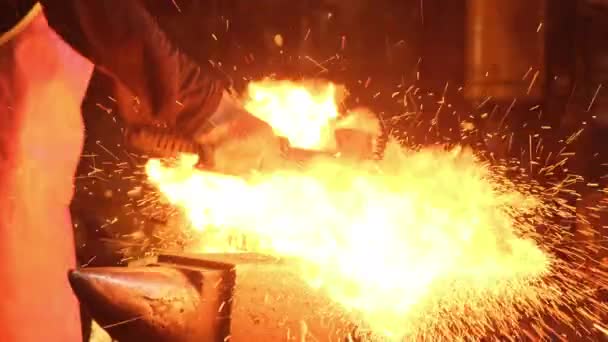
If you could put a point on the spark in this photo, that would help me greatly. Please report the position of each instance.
(126, 321)
(429, 244)
(507, 112)
(176, 5)
(323, 69)
(422, 11)
(106, 150)
(597, 91)
(533, 81)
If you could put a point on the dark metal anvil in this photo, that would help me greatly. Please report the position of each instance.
(210, 297)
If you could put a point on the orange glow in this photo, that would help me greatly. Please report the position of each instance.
(410, 243)
(303, 115)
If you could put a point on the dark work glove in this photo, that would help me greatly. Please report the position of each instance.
(122, 39)
(157, 83)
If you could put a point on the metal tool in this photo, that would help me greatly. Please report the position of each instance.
(164, 143)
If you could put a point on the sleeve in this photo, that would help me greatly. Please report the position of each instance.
(123, 40)
(15, 16)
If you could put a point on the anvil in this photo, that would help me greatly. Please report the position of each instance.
(210, 297)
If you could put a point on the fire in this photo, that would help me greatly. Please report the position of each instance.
(294, 111)
(417, 244)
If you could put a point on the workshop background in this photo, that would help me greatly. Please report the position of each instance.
(372, 47)
(451, 52)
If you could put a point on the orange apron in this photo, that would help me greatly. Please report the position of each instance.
(42, 84)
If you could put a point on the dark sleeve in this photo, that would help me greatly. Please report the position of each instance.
(12, 11)
(123, 40)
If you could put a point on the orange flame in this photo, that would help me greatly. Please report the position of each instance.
(304, 116)
(405, 242)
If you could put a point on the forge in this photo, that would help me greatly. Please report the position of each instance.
(210, 297)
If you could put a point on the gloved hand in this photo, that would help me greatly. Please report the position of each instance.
(230, 141)
(241, 142)
(157, 84)
(228, 122)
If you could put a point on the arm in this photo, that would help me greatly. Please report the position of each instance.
(122, 39)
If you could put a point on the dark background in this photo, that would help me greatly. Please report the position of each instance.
(375, 48)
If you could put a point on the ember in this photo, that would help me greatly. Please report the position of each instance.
(431, 244)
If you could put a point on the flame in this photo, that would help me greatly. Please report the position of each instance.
(303, 115)
(412, 244)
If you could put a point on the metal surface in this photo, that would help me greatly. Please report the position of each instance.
(505, 50)
(271, 302)
(188, 297)
(355, 144)
(158, 302)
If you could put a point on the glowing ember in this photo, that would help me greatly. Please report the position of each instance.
(421, 244)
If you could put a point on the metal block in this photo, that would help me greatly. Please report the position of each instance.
(158, 302)
(271, 302)
(210, 297)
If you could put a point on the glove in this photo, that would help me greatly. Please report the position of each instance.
(241, 142)
(230, 121)
(156, 83)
